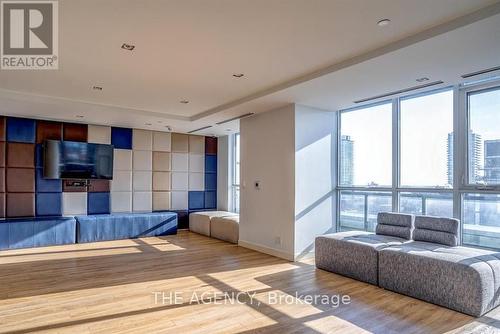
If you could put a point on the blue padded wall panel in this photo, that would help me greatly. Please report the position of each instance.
(210, 163)
(21, 130)
(21, 234)
(46, 185)
(45, 233)
(210, 181)
(98, 203)
(49, 204)
(4, 235)
(121, 138)
(38, 155)
(196, 200)
(210, 199)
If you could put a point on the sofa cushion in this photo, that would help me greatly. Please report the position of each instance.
(438, 230)
(225, 228)
(461, 278)
(352, 254)
(395, 224)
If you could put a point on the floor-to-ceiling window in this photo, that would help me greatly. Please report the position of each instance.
(435, 153)
(235, 186)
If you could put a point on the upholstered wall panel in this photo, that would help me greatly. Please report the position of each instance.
(211, 145)
(161, 181)
(2, 153)
(121, 138)
(122, 181)
(142, 160)
(210, 181)
(142, 181)
(2, 205)
(99, 186)
(210, 199)
(20, 180)
(21, 155)
(211, 164)
(162, 161)
(98, 203)
(142, 140)
(161, 141)
(196, 200)
(46, 130)
(180, 181)
(20, 205)
(180, 143)
(99, 134)
(75, 132)
(46, 185)
(2, 128)
(2, 180)
(179, 200)
(196, 181)
(197, 144)
(74, 204)
(70, 186)
(49, 204)
(121, 201)
(21, 130)
(196, 163)
(161, 200)
(142, 201)
(122, 159)
(180, 162)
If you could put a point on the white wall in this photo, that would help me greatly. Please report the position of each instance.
(267, 155)
(315, 176)
(223, 183)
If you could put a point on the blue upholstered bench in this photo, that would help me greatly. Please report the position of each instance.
(125, 226)
(37, 232)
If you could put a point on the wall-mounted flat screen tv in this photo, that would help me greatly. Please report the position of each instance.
(76, 160)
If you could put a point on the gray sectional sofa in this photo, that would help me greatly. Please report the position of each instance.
(419, 257)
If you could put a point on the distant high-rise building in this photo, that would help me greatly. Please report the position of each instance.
(492, 161)
(475, 154)
(347, 161)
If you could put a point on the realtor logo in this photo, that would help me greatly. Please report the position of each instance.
(29, 35)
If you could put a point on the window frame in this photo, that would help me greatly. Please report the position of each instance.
(235, 186)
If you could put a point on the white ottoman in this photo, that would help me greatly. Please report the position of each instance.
(199, 222)
(226, 228)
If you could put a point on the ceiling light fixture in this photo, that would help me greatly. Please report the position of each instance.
(128, 47)
(99, 88)
(238, 75)
(423, 79)
(184, 101)
(79, 116)
(148, 124)
(168, 127)
(383, 22)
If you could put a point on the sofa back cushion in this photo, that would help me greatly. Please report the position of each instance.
(395, 224)
(437, 230)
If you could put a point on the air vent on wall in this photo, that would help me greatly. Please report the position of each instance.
(203, 128)
(488, 70)
(235, 118)
(434, 83)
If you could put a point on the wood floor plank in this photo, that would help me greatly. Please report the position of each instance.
(109, 287)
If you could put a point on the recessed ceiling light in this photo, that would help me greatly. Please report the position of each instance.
(184, 101)
(383, 22)
(422, 79)
(229, 130)
(99, 88)
(128, 47)
(238, 75)
(148, 124)
(79, 116)
(160, 122)
(168, 127)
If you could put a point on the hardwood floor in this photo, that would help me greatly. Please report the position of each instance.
(117, 287)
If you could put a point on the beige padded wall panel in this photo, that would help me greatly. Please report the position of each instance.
(74, 203)
(180, 143)
(196, 162)
(161, 181)
(142, 160)
(180, 181)
(142, 201)
(142, 180)
(121, 201)
(161, 200)
(122, 181)
(162, 161)
(142, 140)
(162, 141)
(197, 144)
(180, 162)
(122, 159)
(99, 134)
(196, 181)
(179, 200)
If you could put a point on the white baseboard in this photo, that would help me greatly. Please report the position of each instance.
(266, 250)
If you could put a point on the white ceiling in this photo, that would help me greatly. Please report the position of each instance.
(189, 50)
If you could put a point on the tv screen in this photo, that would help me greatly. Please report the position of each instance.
(76, 160)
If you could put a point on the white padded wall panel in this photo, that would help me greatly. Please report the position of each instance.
(161, 181)
(74, 204)
(161, 200)
(180, 162)
(180, 181)
(122, 181)
(142, 140)
(121, 201)
(196, 181)
(162, 161)
(99, 134)
(161, 141)
(142, 160)
(179, 200)
(180, 143)
(197, 163)
(122, 159)
(197, 144)
(142, 181)
(142, 201)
